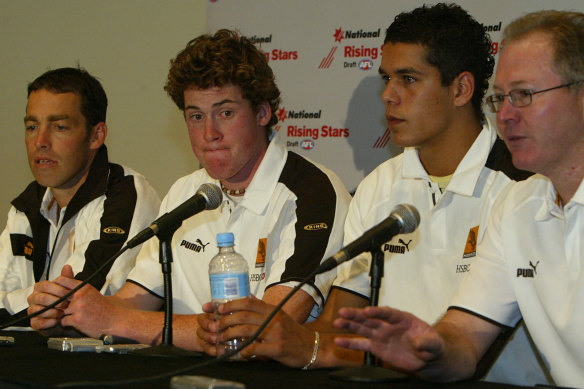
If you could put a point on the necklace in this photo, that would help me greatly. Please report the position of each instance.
(232, 192)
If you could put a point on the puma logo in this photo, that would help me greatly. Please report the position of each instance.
(405, 244)
(203, 245)
(526, 272)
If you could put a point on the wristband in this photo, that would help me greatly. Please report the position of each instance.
(314, 352)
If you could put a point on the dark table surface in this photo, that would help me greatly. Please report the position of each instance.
(29, 363)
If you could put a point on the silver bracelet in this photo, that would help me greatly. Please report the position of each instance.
(314, 352)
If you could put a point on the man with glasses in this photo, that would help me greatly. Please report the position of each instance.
(519, 97)
(529, 264)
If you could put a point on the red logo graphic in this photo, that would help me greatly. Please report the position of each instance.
(282, 114)
(338, 35)
(307, 144)
(382, 141)
(328, 60)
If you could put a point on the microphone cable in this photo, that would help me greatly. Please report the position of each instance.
(186, 369)
(68, 294)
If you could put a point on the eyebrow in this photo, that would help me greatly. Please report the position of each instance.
(408, 70)
(225, 101)
(520, 84)
(52, 118)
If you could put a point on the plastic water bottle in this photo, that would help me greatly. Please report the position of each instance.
(228, 273)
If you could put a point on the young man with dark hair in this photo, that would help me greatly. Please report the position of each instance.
(436, 65)
(286, 212)
(529, 263)
(81, 208)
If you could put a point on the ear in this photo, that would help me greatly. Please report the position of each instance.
(264, 113)
(97, 136)
(463, 88)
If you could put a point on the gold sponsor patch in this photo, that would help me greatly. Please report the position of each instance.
(28, 248)
(114, 230)
(470, 250)
(316, 226)
(262, 249)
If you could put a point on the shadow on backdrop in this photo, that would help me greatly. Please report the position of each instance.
(366, 118)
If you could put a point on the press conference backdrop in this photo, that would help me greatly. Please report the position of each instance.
(326, 54)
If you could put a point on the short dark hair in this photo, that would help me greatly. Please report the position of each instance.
(78, 81)
(221, 59)
(456, 42)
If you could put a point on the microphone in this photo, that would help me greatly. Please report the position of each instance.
(402, 220)
(208, 196)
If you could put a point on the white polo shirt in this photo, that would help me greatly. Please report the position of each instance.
(531, 265)
(423, 269)
(290, 218)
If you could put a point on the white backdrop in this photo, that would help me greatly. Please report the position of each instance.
(325, 55)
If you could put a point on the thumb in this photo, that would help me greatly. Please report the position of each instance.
(67, 271)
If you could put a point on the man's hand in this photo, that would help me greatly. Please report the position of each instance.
(284, 339)
(207, 335)
(88, 310)
(46, 293)
(399, 338)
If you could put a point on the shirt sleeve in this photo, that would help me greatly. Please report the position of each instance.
(16, 276)
(487, 290)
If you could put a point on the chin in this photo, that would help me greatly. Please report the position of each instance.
(524, 164)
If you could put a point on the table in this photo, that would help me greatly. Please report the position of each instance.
(29, 363)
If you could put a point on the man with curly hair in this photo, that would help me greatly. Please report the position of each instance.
(436, 66)
(286, 212)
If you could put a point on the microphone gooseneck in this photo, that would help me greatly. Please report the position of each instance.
(207, 197)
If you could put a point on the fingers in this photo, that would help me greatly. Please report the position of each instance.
(207, 329)
(353, 343)
(236, 331)
(251, 304)
(363, 328)
(47, 292)
(67, 282)
(39, 324)
(209, 307)
(384, 313)
(354, 314)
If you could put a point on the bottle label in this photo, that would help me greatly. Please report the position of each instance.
(229, 286)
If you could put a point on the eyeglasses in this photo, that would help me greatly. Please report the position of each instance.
(518, 97)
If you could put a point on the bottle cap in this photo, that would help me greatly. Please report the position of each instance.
(225, 239)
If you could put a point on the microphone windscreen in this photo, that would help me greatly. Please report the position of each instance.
(213, 195)
(408, 216)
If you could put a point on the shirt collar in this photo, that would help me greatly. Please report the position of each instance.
(50, 209)
(265, 179)
(260, 189)
(467, 172)
(552, 207)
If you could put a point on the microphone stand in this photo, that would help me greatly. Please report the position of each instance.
(369, 371)
(166, 348)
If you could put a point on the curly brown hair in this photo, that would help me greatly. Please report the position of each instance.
(220, 59)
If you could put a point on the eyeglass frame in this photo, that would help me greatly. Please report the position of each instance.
(512, 100)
